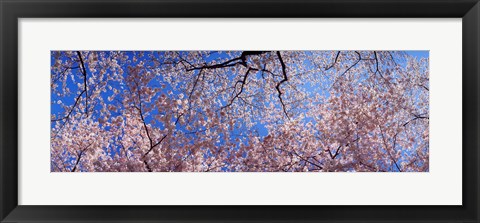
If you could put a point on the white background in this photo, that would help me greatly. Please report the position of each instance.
(441, 186)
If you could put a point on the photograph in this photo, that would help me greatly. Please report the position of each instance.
(239, 111)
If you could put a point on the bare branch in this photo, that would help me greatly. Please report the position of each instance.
(285, 78)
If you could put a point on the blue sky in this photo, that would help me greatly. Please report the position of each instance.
(419, 53)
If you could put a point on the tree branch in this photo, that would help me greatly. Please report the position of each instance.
(423, 86)
(150, 140)
(241, 60)
(243, 81)
(285, 78)
(79, 157)
(355, 64)
(388, 150)
(84, 71)
(416, 117)
(334, 62)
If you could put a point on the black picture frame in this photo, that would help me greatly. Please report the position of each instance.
(11, 11)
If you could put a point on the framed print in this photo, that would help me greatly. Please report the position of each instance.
(174, 111)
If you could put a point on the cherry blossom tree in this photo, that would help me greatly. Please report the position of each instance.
(261, 111)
